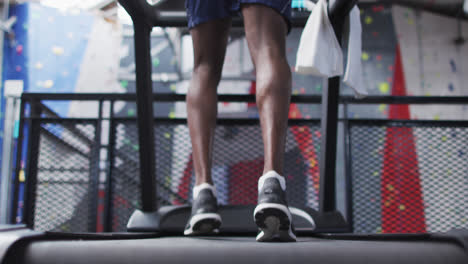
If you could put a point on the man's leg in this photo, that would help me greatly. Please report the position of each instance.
(266, 31)
(209, 45)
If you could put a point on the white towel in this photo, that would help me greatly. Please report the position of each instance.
(320, 54)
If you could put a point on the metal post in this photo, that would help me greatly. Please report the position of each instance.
(19, 152)
(31, 165)
(94, 161)
(10, 112)
(339, 9)
(348, 168)
(145, 117)
(110, 157)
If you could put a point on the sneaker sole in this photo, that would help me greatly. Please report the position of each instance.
(203, 224)
(274, 221)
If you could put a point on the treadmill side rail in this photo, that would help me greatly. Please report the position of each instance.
(11, 234)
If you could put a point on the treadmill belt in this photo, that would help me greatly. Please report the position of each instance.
(220, 249)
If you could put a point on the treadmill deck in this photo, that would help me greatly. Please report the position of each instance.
(221, 249)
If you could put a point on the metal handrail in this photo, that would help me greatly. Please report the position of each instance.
(246, 98)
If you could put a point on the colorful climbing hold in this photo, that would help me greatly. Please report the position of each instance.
(38, 65)
(318, 87)
(365, 56)
(382, 107)
(57, 50)
(156, 62)
(451, 87)
(19, 49)
(384, 87)
(378, 8)
(48, 84)
(453, 66)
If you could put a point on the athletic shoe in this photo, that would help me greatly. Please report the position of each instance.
(272, 214)
(204, 219)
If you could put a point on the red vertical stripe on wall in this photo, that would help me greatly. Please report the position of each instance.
(305, 142)
(402, 199)
(184, 185)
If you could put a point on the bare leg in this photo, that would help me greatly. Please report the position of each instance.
(266, 31)
(209, 45)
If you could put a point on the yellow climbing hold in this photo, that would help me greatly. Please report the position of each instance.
(59, 51)
(21, 176)
(312, 163)
(38, 66)
(48, 84)
(368, 20)
(384, 87)
(382, 107)
(365, 56)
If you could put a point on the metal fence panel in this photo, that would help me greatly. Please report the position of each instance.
(409, 179)
(237, 164)
(65, 185)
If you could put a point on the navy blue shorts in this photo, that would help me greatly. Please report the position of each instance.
(200, 11)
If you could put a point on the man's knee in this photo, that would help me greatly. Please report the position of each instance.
(274, 78)
(208, 72)
(274, 70)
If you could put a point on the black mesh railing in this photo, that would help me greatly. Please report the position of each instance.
(403, 176)
(409, 177)
(65, 186)
(237, 164)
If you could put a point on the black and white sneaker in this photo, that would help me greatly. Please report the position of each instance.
(272, 214)
(205, 219)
